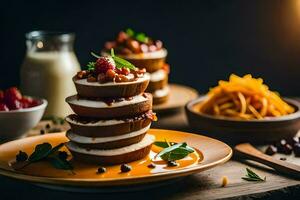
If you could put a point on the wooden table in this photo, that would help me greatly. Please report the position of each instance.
(205, 185)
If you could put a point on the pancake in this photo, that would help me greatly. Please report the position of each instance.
(161, 96)
(158, 80)
(90, 127)
(112, 108)
(111, 89)
(112, 156)
(108, 142)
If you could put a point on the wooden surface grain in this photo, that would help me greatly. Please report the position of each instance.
(205, 185)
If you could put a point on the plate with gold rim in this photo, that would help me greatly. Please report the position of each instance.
(209, 153)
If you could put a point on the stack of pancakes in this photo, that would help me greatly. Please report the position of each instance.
(155, 64)
(111, 121)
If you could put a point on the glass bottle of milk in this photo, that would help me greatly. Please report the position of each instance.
(48, 68)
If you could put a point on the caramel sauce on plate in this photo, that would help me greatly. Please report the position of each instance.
(89, 171)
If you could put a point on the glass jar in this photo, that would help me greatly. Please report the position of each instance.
(48, 68)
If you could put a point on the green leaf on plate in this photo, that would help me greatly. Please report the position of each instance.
(174, 152)
(56, 148)
(41, 151)
(59, 163)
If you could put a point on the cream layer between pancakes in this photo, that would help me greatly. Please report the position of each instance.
(98, 123)
(158, 75)
(161, 92)
(145, 77)
(146, 141)
(75, 100)
(96, 140)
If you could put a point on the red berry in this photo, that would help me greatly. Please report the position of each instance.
(103, 64)
(14, 105)
(12, 97)
(11, 94)
(1, 96)
(26, 102)
(14, 93)
(34, 102)
(3, 107)
(122, 37)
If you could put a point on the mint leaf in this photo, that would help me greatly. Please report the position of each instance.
(172, 156)
(60, 163)
(41, 151)
(163, 144)
(91, 65)
(56, 148)
(95, 55)
(120, 62)
(112, 52)
(45, 151)
(175, 152)
(129, 32)
(141, 37)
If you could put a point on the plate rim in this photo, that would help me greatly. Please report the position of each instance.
(124, 180)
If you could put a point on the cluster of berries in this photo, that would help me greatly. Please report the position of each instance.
(12, 99)
(105, 70)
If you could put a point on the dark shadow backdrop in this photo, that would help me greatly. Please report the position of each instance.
(207, 40)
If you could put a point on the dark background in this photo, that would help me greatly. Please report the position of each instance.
(207, 40)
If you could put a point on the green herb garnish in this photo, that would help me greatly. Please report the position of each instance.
(141, 37)
(45, 152)
(164, 144)
(120, 62)
(173, 151)
(252, 176)
(95, 55)
(41, 151)
(129, 32)
(91, 66)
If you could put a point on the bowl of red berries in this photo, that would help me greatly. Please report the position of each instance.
(18, 113)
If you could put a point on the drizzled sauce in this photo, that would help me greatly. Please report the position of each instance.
(88, 120)
(107, 100)
(89, 171)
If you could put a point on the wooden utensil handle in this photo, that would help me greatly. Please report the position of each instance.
(247, 151)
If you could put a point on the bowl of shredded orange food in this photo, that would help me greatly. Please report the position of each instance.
(244, 109)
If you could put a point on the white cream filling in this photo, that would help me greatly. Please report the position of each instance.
(98, 123)
(139, 80)
(146, 141)
(158, 75)
(149, 55)
(101, 104)
(161, 92)
(95, 140)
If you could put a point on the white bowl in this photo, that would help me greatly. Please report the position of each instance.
(14, 123)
